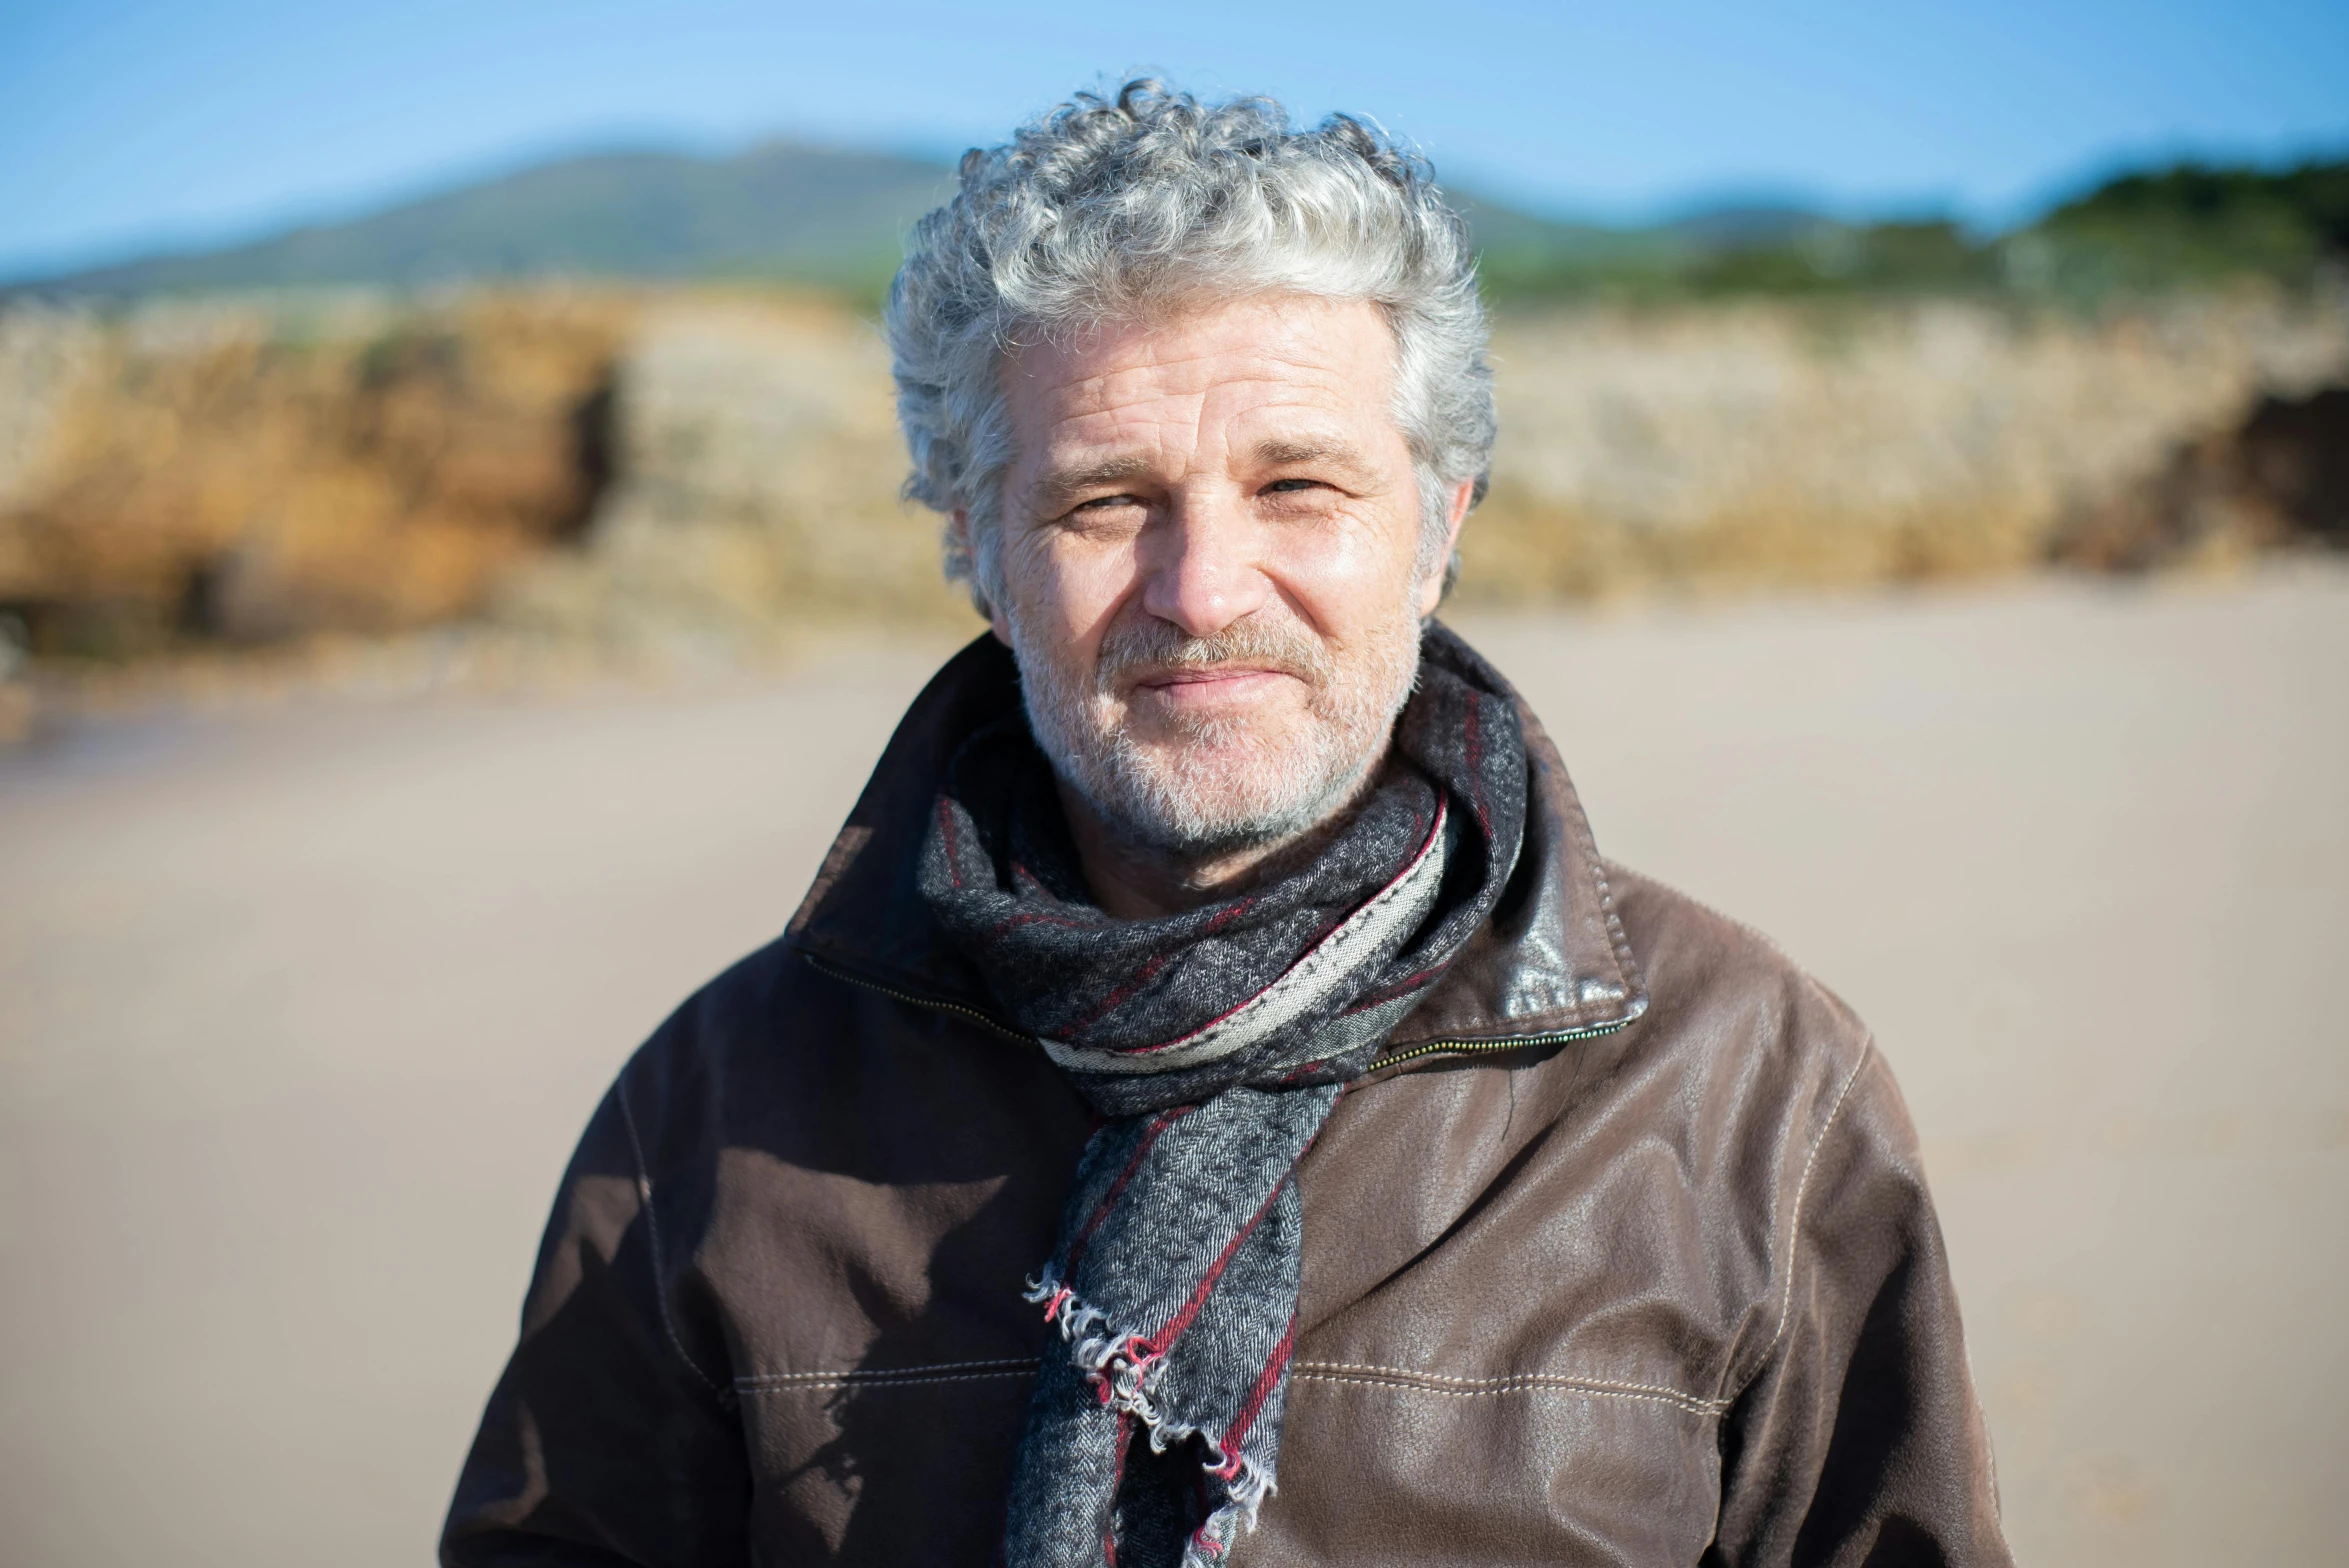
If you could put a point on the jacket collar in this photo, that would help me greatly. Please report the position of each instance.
(1551, 961)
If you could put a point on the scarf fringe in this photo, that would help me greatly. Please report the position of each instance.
(1125, 1369)
(1243, 1495)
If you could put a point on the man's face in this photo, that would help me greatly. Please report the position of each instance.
(1209, 565)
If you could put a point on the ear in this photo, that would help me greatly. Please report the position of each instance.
(1431, 592)
(959, 525)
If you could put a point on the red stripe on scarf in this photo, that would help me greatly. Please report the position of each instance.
(1475, 758)
(1149, 971)
(953, 844)
(1322, 936)
(1117, 1188)
(1163, 1341)
(1266, 1381)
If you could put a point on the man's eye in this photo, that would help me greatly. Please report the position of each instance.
(1284, 486)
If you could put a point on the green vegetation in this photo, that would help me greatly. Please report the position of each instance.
(824, 218)
(2187, 225)
(784, 212)
(1806, 256)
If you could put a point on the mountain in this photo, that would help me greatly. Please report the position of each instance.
(1501, 229)
(795, 212)
(782, 210)
(785, 211)
(1736, 225)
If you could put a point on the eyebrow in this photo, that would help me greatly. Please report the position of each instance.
(1277, 453)
(1057, 487)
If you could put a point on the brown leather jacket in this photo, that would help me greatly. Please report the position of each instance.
(1622, 1255)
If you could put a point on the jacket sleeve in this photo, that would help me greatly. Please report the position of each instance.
(611, 1438)
(1858, 1439)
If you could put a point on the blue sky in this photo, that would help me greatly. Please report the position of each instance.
(129, 123)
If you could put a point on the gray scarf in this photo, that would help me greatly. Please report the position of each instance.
(1214, 1044)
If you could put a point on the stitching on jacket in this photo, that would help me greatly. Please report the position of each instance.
(1626, 964)
(652, 1229)
(1794, 1225)
(1312, 1371)
(1627, 967)
(885, 1377)
(1470, 1387)
(1727, 919)
(1508, 1378)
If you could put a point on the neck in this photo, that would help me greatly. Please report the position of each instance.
(1135, 881)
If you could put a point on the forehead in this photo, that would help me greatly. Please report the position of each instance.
(1274, 360)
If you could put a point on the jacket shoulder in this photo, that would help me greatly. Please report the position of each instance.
(1848, 1406)
(678, 1079)
(772, 1053)
(822, 1071)
(1761, 1050)
(1723, 988)
(1803, 1112)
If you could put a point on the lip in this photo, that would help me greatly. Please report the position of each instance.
(1215, 683)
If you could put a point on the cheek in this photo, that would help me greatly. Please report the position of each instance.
(1349, 578)
(1071, 587)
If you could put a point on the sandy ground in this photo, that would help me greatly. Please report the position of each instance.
(301, 1011)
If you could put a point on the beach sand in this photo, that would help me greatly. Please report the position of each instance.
(302, 1008)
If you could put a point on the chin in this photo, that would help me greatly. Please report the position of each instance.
(1193, 799)
(1202, 735)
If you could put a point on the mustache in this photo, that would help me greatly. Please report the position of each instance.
(1150, 646)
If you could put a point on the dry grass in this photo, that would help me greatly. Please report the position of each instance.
(1784, 445)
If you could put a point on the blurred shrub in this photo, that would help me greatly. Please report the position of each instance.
(2185, 227)
(2188, 225)
(1805, 256)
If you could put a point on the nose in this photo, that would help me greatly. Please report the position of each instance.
(1199, 565)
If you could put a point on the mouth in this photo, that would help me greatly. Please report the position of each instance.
(1199, 685)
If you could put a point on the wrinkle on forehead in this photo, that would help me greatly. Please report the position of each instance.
(1200, 379)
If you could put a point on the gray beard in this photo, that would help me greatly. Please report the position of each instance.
(1174, 799)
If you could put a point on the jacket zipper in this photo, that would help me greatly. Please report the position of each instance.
(1429, 1048)
(972, 1013)
(1514, 1043)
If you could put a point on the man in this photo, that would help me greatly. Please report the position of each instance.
(1213, 1057)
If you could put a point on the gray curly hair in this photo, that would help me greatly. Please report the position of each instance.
(1121, 209)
